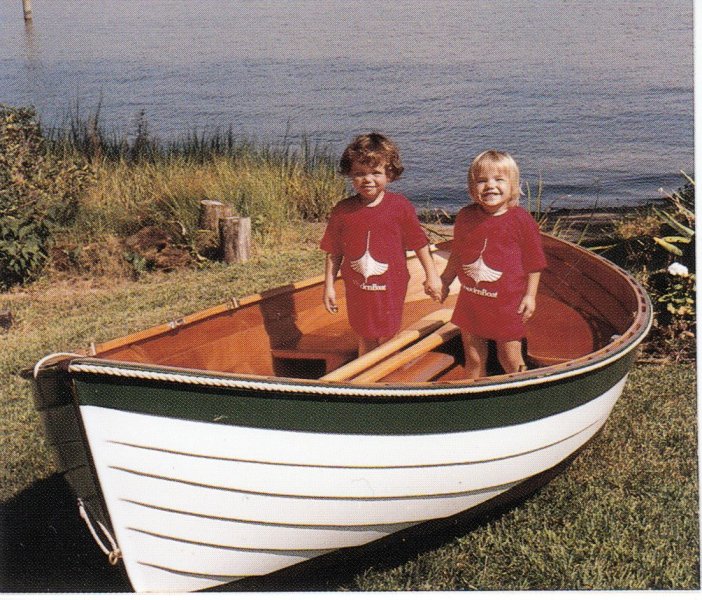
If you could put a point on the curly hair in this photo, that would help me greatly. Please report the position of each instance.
(372, 149)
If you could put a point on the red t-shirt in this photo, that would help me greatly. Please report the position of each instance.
(496, 254)
(373, 241)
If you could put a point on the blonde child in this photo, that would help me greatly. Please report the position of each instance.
(498, 257)
(366, 239)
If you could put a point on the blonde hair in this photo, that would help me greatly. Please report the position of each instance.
(372, 149)
(500, 160)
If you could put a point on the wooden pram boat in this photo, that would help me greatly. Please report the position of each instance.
(248, 437)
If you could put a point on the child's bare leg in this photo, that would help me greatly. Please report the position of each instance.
(476, 352)
(510, 356)
(365, 345)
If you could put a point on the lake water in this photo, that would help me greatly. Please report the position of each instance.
(595, 97)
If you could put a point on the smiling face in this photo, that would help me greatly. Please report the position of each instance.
(369, 181)
(492, 189)
(493, 181)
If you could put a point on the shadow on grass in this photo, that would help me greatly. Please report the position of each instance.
(46, 547)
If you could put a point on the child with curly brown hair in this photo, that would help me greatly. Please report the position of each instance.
(366, 239)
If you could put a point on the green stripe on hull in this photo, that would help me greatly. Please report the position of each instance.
(341, 414)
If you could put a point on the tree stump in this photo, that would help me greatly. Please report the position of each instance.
(235, 239)
(211, 211)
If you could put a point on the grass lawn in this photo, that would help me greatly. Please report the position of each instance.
(623, 516)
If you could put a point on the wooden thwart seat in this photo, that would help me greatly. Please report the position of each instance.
(334, 351)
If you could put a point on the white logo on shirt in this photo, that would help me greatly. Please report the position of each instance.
(367, 266)
(478, 271)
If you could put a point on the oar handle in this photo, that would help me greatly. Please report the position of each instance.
(441, 335)
(416, 331)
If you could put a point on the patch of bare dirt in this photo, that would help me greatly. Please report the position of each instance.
(158, 249)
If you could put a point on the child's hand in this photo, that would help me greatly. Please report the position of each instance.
(446, 281)
(445, 289)
(527, 308)
(330, 300)
(433, 287)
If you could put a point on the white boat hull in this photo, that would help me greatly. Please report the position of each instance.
(196, 504)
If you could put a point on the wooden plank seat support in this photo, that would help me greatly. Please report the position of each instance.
(330, 342)
(332, 359)
(425, 368)
(557, 333)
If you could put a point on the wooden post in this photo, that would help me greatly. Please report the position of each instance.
(27, 8)
(211, 211)
(235, 239)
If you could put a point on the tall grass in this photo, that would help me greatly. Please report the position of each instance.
(140, 180)
(274, 192)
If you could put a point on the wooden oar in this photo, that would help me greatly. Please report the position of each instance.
(441, 335)
(417, 330)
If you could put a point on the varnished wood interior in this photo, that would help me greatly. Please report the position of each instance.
(583, 302)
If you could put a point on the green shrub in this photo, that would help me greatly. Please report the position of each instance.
(22, 249)
(38, 192)
(651, 238)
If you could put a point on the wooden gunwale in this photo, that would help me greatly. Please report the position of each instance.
(206, 313)
(598, 359)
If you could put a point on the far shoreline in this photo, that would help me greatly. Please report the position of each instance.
(595, 221)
